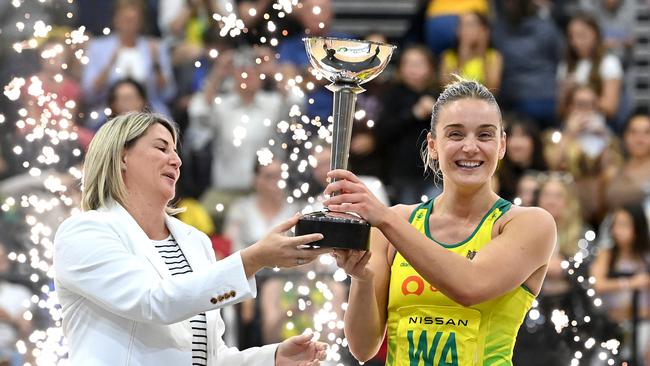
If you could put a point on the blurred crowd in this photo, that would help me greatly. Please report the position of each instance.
(235, 77)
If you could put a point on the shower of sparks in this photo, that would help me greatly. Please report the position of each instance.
(316, 299)
(232, 26)
(579, 328)
(45, 133)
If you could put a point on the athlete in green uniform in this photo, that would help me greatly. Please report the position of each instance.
(449, 281)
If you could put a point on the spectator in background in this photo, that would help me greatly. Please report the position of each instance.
(623, 269)
(54, 53)
(197, 216)
(245, 223)
(258, 15)
(588, 63)
(531, 47)
(442, 20)
(192, 73)
(50, 98)
(402, 126)
(365, 158)
(286, 309)
(557, 196)
(127, 95)
(584, 133)
(473, 58)
(617, 19)
(524, 152)
(13, 301)
(53, 83)
(586, 148)
(527, 189)
(250, 217)
(239, 123)
(283, 309)
(630, 182)
(316, 18)
(323, 159)
(213, 77)
(95, 15)
(127, 53)
(183, 24)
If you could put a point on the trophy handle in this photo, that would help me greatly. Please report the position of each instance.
(333, 61)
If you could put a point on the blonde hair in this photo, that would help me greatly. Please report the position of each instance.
(570, 227)
(102, 171)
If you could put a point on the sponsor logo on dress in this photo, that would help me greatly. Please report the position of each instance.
(429, 346)
(414, 285)
(437, 320)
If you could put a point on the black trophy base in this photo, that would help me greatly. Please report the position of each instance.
(340, 230)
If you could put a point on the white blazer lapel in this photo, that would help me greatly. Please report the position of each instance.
(138, 240)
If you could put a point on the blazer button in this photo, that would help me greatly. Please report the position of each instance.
(233, 293)
(214, 300)
(220, 298)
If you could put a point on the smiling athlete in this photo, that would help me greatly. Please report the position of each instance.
(449, 280)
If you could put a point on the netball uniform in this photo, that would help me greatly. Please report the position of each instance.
(427, 328)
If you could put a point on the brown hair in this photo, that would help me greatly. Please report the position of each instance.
(597, 55)
(457, 90)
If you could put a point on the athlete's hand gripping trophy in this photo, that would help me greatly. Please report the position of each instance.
(347, 64)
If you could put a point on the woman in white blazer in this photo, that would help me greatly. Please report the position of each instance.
(139, 287)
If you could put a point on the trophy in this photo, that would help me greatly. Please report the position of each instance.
(347, 64)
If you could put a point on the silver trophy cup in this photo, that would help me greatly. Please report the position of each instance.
(347, 63)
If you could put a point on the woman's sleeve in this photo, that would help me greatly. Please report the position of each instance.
(164, 58)
(168, 10)
(254, 356)
(562, 71)
(92, 261)
(610, 68)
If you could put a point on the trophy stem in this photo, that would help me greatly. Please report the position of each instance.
(345, 98)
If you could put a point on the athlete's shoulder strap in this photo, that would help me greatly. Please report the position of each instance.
(392, 252)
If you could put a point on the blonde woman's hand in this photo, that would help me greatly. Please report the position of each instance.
(300, 350)
(277, 249)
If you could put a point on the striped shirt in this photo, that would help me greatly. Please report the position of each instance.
(177, 264)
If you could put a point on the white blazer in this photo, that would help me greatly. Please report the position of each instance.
(121, 306)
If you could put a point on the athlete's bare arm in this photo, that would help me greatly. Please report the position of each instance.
(523, 248)
(365, 318)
